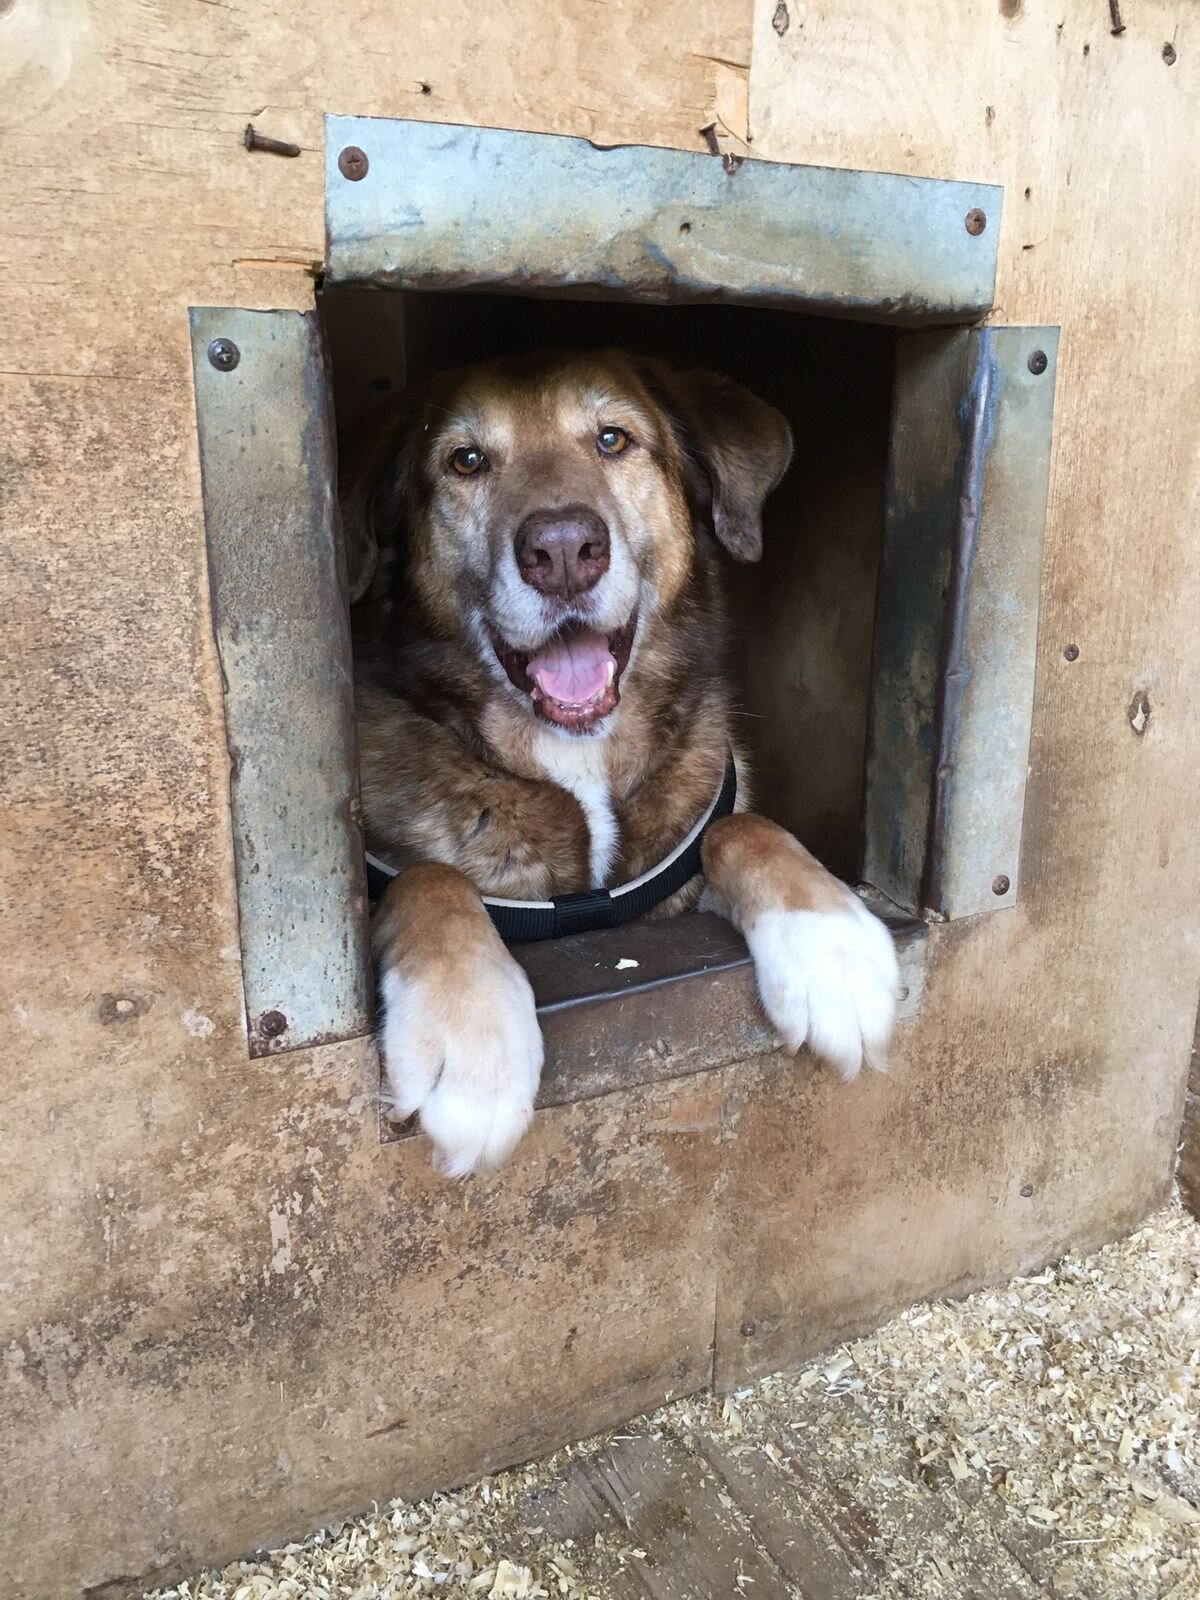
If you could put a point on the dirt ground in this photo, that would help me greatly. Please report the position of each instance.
(1038, 1439)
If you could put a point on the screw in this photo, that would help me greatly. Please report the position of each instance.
(1071, 653)
(749, 1329)
(353, 163)
(224, 354)
(254, 140)
(1000, 884)
(1026, 1191)
(1169, 55)
(271, 1024)
(1038, 362)
(976, 221)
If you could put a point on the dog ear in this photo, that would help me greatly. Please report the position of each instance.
(736, 449)
(370, 496)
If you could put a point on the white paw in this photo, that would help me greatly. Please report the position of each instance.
(466, 1056)
(828, 979)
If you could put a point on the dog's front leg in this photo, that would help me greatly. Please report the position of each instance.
(826, 967)
(460, 1038)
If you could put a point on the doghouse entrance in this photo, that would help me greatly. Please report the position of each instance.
(804, 615)
(887, 638)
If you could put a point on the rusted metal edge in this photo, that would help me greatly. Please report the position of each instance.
(956, 624)
(268, 469)
(689, 1005)
(986, 696)
(440, 206)
(978, 422)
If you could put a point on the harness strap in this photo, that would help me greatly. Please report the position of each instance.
(518, 921)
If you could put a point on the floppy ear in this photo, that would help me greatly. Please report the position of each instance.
(736, 449)
(369, 495)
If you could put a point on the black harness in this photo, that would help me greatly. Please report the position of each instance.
(521, 920)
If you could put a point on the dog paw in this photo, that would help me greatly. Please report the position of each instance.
(828, 979)
(463, 1051)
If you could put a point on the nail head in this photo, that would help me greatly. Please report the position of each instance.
(353, 163)
(1038, 362)
(1001, 884)
(976, 221)
(224, 355)
(1071, 653)
(271, 1024)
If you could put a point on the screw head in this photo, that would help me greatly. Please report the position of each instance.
(975, 221)
(1071, 653)
(353, 163)
(1000, 884)
(1026, 1191)
(1038, 362)
(224, 355)
(1169, 55)
(271, 1024)
(749, 1329)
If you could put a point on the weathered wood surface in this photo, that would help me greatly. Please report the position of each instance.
(1189, 1153)
(229, 1313)
(665, 1513)
(1038, 1098)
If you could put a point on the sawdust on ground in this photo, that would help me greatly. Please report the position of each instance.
(1062, 1411)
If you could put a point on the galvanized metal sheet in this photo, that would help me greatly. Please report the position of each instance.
(956, 640)
(423, 205)
(279, 612)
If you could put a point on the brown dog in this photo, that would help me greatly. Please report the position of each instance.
(544, 708)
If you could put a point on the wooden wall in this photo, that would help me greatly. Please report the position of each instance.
(229, 1313)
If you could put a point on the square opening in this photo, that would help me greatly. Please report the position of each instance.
(803, 628)
(886, 642)
(803, 616)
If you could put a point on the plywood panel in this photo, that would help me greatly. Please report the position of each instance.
(1037, 1101)
(1189, 1154)
(228, 1312)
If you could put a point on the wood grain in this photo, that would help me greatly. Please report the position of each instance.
(220, 1292)
(229, 1314)
(1037, 1102)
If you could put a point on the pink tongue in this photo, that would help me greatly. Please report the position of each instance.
(572, 669)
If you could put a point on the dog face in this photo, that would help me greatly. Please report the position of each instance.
(549, 510)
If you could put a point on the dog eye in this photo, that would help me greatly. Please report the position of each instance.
(611, 441)
(467, 461)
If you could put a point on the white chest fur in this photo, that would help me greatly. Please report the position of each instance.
(578, 765)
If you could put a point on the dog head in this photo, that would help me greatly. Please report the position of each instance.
(548, 510)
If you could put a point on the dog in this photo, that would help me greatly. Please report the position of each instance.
(535, 552)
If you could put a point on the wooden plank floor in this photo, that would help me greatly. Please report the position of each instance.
(673, 1517)
(1040, 1441)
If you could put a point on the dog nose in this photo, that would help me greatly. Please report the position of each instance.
(562, 553)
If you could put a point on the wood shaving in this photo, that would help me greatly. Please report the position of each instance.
(1055, 1421)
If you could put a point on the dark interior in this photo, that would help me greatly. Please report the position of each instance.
(805, 615)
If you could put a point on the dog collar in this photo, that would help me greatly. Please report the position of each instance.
(521, 920)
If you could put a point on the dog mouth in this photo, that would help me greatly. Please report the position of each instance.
(574, 679)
